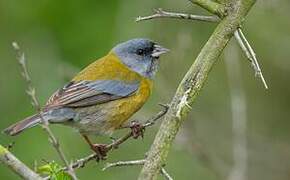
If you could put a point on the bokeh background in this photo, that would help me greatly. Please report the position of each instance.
(61, 37)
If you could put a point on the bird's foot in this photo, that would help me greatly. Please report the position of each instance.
(101, 151)
(137, 129)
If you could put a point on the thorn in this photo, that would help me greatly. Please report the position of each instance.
(187, 105)
(138, 18)
(15, 46)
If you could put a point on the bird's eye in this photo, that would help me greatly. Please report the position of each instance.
(140, 52)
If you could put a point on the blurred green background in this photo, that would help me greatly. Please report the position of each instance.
(61, 37)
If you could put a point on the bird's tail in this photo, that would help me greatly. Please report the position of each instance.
(22, 125)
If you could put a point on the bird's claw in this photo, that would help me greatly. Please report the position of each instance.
(137, 129)
(100, 150)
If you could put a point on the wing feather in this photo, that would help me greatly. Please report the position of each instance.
(88, 93)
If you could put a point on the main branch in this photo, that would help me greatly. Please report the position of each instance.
(190, 86)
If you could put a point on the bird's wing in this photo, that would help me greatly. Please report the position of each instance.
(87, 93)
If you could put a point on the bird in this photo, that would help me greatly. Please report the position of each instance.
(104, 95)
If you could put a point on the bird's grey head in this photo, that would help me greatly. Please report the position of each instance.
(140, 55)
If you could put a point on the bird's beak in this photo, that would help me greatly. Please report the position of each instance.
(158, 50)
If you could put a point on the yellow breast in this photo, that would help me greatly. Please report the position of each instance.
(126, 107)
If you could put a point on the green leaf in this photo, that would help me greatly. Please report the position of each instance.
(54, 170)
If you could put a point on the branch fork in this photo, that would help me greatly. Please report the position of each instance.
(219, 12)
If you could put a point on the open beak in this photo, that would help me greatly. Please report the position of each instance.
(158, 50)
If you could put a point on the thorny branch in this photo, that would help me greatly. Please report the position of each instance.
(194, 80)
(35, 103)
(239, 35)
(150, 122)
(135, 163)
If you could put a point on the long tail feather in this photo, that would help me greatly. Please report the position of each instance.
(22, 125)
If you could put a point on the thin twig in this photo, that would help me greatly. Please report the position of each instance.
(160, 13)
(246, 47)
(124, 163)
(135, 163)
(150, 122)
(16, 165)
(35, 103)
(239, 35)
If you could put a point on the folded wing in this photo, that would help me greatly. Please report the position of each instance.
(88, 93)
